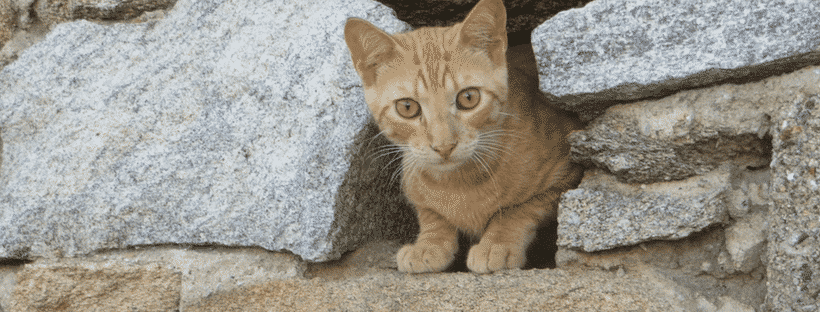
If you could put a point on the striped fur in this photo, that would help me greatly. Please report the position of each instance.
(484, 154)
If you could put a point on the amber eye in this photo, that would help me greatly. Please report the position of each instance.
(468, 98)
(408, 108)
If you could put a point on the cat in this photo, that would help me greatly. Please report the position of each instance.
(483, 153)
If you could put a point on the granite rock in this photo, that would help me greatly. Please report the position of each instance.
(237, 123)
(75, 285)
(389, 290)
(691, 132)
(203, 270)
(794, 219)
(750, 193)
(25, 22)
(8, 19)
(728, 304)
(746, 242)
(779, 111)
(609, 52)
(603, 213)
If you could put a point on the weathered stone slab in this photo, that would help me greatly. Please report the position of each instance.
(794, 235)
(209, 270)
(8, 19)
(610, 52)
(78, 285)
(603, 213)
(746, 243)
(691, 132)
(694, 264)
(228, 122)
(383, 290)
(57, 11)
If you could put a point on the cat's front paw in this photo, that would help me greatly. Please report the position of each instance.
(423, 257)
(486, 257)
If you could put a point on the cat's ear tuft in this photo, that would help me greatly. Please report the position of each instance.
(370, 47)
(485, 28)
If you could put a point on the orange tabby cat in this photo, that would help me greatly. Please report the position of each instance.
(482, 154)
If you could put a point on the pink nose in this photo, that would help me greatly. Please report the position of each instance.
(444, 150)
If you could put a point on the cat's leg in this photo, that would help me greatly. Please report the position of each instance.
(435, 247)
(508, 234)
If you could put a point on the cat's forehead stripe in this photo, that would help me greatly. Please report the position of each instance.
(421, 84)
(431, 55)
(449, 82)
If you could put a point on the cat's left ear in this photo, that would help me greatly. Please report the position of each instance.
(369, 46)
(485, 28)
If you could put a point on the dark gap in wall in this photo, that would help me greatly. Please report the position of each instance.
(361, 216)
(14, 262)
(522, 15)
(123, 11)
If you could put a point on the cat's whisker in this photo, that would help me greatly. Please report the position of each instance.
(389, 147)
(491, 153)
(478, 158)
(399, 171)
(412, 166)
(373, 138)
(398, 149)
(501, 139)
(409, 163)
(510, 115)
(391, 162)
(501, 133)
(495, 151)
(485, 144)
(385, 152)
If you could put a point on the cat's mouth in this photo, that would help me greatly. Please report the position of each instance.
(448, 164)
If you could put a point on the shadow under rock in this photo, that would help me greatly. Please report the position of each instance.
(370, 204)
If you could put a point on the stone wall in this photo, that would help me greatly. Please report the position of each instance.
(212, 155)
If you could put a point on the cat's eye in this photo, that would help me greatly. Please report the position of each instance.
(408, 108)
(468, 98)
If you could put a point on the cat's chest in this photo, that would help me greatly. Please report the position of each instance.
(467, 208)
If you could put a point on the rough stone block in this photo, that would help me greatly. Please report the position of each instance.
(536, 290)
(691, 263)
(691, 132)
(746, 242)
(58, 11)
(603, 213)
(794, 219)
(231, 123)
(750, 195)
(76, 285)
(209, 270)
(8, 19)
(8, 280)
(728, 304)
(614, 51)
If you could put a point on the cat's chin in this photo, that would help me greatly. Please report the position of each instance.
(444, 166)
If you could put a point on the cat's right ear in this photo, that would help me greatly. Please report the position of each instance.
(370, 47)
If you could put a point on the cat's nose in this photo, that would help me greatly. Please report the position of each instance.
(444, 150)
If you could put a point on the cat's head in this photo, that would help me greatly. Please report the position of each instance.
(438, 93)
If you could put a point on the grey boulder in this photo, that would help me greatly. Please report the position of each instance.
(609, 52)
(238, 123)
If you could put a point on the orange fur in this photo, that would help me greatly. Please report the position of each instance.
(494, 170)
